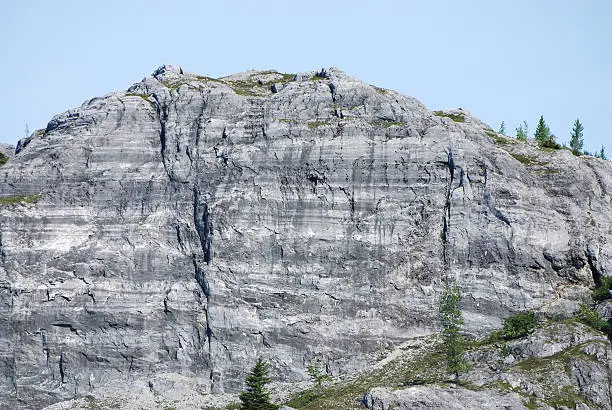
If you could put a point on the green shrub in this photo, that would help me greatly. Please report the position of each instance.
(602, 292)
(3, 159)
(454, 117)
(20, 199)
(549, 143)
(518, 325)
(591, 318)
(304, 398)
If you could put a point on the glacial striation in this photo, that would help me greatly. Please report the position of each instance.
(169, 235)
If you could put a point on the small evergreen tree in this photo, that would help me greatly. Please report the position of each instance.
(502, 128)
(542, 133)
(451, 320)
(522, 131)
(256, 396)
(602, 153)
(317, 375)
(576, 139)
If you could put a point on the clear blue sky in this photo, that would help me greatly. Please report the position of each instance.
(509, 60)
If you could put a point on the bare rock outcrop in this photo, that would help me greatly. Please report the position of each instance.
(190, 225)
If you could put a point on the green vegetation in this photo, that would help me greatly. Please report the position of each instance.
(317, 77)
(522, 131)
(3, 159)
(542, 132)
(206, 79)
(602, 153)
(256, 396)
(499, 139)
(454, 117)
(518, 325)
(576, 138)
(528, 160)
(502, 128)
(143, 96)
(387, 123)
(253, 87)
(20, 199)
(602, 291)
(550, 144)
(542, 370)
(379, 90)
(315, 124)
(317, 375)
(543, 136)
(245, 87)
(425, 362)
(454, 343)
(287, 120)
(173, 85)
(591, 318)
(287, 78)
(420, 364)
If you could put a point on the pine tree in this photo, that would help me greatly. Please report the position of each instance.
(542, 133)
(602, 153)
(317, 375)
(451, 320)
(256, 396)
(522, 131)
(502, 128)
(576, 139)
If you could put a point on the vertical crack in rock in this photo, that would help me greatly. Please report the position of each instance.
(162, 115)
(592, 262)
(447, 209)
(61, 367)
(203, 225)
(2, 253)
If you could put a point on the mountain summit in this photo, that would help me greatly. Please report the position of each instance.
(156, 242)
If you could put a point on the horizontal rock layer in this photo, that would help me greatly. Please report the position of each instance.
(191, 225)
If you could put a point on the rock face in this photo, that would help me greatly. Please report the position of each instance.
(190, 225)
(561, 365)
(428, 398)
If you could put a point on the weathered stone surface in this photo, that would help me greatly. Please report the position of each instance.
(429, 398)
(7, 150)
(191, 225)
(560, 365)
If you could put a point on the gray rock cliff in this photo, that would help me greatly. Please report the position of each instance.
(171, 234)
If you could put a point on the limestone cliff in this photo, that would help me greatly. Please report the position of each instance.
(172, 234)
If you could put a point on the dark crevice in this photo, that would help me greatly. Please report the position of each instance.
(203, 225)
(592, 262)
(179, 238)
(162, 115)
(200, 277)
(2, 254)
(204, 228)
(61, 367)
(447, 209)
